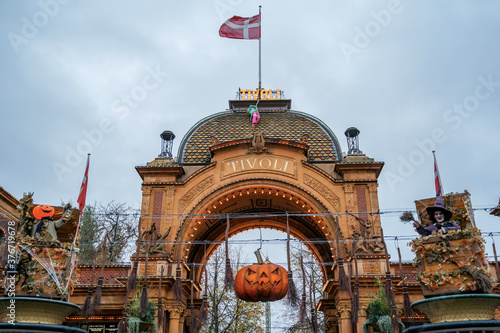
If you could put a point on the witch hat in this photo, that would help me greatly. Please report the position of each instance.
(438, 206)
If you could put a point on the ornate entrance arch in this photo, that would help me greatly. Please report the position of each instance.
(288, 166)
(250, 204)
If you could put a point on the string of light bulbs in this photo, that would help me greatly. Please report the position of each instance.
(262, 214)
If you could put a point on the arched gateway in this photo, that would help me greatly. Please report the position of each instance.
(288, 166)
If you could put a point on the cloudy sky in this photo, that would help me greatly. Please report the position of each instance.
(109, 76)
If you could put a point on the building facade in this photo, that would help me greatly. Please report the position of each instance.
(288, 173)
(288, 170)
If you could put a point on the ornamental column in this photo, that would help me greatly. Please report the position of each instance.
(181, 324)
(345, 317)
(361, 316)
(175, 316)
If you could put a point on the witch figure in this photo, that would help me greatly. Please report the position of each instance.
(440, 218)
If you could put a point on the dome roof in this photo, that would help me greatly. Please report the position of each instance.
(286, 125)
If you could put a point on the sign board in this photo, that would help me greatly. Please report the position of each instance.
(100, 327)
(265, 94)
(252, 163)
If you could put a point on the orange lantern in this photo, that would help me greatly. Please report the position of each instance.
(264, 282)
(39, 212)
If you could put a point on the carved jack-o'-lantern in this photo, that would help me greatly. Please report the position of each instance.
(264, 282)
(39, 212)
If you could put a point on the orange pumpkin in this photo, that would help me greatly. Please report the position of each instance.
(39, 212)
(265, 282)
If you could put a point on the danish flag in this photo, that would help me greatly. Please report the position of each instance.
(241, 28)
(437, 178)
(83, 188)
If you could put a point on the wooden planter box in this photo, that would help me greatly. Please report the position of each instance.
(440, 262)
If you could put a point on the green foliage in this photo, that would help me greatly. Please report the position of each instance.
(378, 313)
(379, 306)
(133, 308)
(88, 228)
(133, 324)
(384, 323)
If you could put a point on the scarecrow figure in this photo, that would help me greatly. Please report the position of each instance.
(43, 218)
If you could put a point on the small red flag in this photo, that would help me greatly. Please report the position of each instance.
(437, 178)
(83, 188)
(241, 27)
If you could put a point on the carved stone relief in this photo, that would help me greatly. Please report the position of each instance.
(196, 190)
(258, 144)
(349, 203)
(176, 312)
(344, 310)
(332, 198)
(371, 269)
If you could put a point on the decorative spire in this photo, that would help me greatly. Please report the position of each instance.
(167, 141)
(353, 141)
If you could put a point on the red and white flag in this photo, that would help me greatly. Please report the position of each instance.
(241, 27)
(83, 188)
(437, 178)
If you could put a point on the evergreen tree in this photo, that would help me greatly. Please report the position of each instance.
(88, 244)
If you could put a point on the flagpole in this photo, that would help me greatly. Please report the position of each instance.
(81, 205)
(260, 61)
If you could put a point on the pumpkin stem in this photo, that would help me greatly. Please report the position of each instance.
(259, 257)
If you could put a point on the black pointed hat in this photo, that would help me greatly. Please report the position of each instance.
(439, 206)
